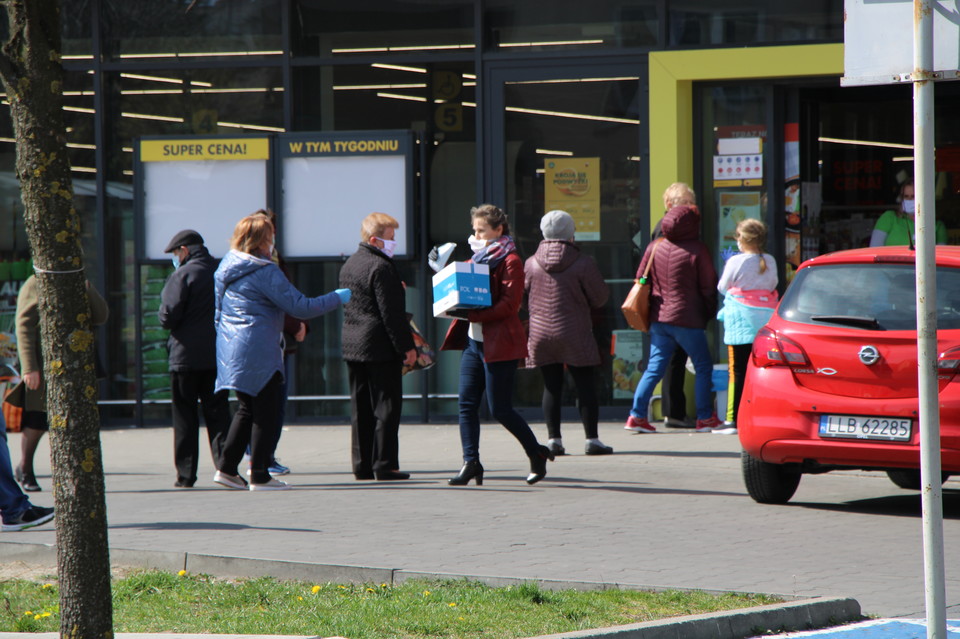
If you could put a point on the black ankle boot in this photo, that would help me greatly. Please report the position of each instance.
(538, 464)
(470, 470)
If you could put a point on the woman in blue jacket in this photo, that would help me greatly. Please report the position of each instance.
(251, 296)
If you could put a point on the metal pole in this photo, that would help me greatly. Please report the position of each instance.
(930, 473)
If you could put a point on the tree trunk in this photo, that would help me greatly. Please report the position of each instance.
(32, 75)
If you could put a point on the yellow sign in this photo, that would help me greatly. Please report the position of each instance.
(573, 185)
(205, 149)
(449, 117)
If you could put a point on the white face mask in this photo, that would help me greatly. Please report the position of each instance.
(909, 206)
(388, 246)
(476, 244)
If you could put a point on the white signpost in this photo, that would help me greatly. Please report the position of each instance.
(879, 48)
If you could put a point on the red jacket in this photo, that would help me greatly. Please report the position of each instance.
(683, 281)
(504, 338)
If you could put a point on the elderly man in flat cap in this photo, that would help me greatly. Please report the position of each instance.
(186, 310)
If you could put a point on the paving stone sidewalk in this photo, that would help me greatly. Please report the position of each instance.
(667, 511)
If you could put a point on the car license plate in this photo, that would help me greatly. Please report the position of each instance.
(860, 427)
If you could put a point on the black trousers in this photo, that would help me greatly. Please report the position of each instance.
(255, 422)
(674, 400)
(586, 396)
(376, 401)
(188, 388)
(739, 355)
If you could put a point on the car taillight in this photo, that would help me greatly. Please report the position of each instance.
(948, 365)
(770, 349)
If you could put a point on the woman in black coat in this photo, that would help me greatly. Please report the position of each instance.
(377, 343)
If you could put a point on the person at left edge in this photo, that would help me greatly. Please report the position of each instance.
(34, 421)
(377, 343)
(16, 510)
(186, 310)
(251, 294)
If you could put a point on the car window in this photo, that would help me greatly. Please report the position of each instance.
(868, 296)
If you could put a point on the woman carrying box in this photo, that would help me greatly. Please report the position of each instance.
(493, 343)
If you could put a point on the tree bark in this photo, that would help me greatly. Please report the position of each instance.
(32, 75)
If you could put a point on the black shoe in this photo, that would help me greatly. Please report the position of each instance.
(538, 464)
(28, 481)
(592, 448)
(32, 516)
(557, 449)
(390, 475)
(183, 483)
(470, 470)
(363, 476)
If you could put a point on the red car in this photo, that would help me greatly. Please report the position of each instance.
(832, 378)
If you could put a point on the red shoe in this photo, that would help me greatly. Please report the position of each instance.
(638, 425)
(707, 425)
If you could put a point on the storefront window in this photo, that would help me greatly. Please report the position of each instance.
(543, 25)
(173, 29)
(705, 22)
(165, 102)
(76, 19)
(325, 28)
(575, 144)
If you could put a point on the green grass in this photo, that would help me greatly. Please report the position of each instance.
(153, 601)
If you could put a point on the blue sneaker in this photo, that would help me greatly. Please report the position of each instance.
(276, 468)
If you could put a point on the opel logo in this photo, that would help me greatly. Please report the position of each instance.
(869, 355)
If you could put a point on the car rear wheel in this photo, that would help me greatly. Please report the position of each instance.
(768, 483)
(909, 478)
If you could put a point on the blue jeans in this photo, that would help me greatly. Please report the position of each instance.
(664, 338)
(12, 500)
(497, 379)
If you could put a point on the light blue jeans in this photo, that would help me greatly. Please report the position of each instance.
(664, 338)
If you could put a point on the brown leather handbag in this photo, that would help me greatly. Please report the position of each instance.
(636, 308)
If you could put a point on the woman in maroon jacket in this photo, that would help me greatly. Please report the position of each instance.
(563, 287)
(493, 343)
(683, 298)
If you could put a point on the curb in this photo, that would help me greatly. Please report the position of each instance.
(798, 614)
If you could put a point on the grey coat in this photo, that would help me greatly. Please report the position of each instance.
(563, 285)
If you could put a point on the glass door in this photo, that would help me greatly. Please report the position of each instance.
(574, 138)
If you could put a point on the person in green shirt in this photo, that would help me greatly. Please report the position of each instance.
(895, 228)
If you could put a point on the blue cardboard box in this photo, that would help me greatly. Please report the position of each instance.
(461, 285)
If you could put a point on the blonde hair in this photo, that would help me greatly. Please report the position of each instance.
(375, 224)
(753, 233)
(251, 233)
(678, 193)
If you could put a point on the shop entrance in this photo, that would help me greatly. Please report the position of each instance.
(551, 122)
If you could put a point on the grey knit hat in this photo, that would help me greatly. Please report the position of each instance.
(557, 225)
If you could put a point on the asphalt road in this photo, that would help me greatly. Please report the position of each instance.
(667, 510)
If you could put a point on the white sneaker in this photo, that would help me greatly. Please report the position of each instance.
(726, 429)
(273, 484)
(230, 481)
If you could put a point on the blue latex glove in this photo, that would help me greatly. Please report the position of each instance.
(344, 294)
(728, 252)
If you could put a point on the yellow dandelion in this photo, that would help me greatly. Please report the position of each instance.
(299, 598)
(315, 589)
(182, 573)
(370, 590)
(343, 587)
(46, 614)
(47, 586)
(36, 617)
(27, 613)
(460, 618)
(383, 585)
(452, 605)
(426, 593)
